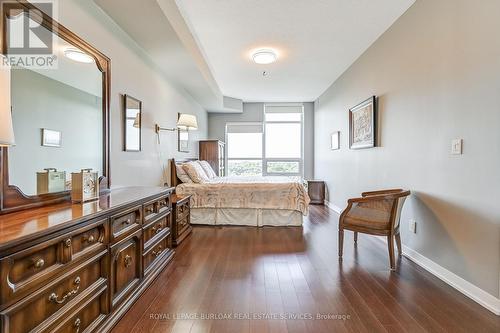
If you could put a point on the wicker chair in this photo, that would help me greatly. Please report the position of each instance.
(375, 213)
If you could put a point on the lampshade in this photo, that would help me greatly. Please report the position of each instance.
(137, 121)
(6, 129)
(187, 122)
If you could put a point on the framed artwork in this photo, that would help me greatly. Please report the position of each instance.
(335, 141)
(132, 126)
(51, 138)
(363, 124)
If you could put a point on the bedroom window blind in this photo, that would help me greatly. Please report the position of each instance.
(283, 138)
(244, 149)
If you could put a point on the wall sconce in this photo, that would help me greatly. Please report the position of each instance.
(6, 129)
(184, 122)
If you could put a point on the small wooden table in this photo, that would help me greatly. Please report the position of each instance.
(316, 191)
(181, 218)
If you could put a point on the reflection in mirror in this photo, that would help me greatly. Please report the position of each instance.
(183, 140)
(132, 116)
(57, 119)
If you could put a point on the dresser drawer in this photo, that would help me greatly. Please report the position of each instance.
(164, 204)
(90, 239)
(126, 264)
(152, 231)
(183, 226)
(59, 296)
(157, 251)
(85, 317)
(125, 223)
(182, 210)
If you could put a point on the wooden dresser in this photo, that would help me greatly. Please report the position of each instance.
(213, 152)
(79, 267)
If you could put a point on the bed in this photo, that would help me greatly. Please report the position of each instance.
(248, 201)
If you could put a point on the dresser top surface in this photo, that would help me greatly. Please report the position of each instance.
(18, 226)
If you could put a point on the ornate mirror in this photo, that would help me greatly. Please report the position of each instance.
(60, 108)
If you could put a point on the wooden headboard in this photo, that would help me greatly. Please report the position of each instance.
(174, 180)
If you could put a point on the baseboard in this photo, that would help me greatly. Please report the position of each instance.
(475, 293)
(330, 205)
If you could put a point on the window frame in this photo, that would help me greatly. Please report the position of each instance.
(265, 159)
(227, 158)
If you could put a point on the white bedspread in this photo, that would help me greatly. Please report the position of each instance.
(287, 193)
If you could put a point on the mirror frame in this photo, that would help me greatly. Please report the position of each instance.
(11, 197)
(125, 98)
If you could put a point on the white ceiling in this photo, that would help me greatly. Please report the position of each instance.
(317, 40)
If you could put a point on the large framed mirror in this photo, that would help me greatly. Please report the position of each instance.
(60, 108)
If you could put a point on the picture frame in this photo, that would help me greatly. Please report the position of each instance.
(51, 138)
(182, 141)
(335, 141)
(132, 124)
(363, 124)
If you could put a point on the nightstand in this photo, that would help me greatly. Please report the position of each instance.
(316, 191)
(181, 223)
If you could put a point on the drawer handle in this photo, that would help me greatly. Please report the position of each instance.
(89, 239)
(157, 253)
(77, 324)
(127, 261)
(157, 229)
(38, 263)
(127, 222)
(67, 242)
(54, 298)
(149, 210)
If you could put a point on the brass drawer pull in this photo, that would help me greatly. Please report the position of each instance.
(149, 210)
(38, 263)
(157, 253)
(67, 242)
(77, 324)
(127, 261)
(89, 239)
(127, 222)
(157, 229)
(54, 298)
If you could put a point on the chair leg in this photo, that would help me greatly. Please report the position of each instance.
(390, 245)
(341, 242)
(355, 237)
(398, 243)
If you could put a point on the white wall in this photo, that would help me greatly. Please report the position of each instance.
(254, 112)
(133, 73)
(436, 72)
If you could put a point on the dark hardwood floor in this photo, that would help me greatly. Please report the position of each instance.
(294, 275)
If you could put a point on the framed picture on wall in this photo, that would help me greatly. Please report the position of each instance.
(363, 124)
(335, 141)
(51, 138)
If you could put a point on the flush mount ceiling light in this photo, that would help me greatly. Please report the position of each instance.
(264, 57)
(78, 55)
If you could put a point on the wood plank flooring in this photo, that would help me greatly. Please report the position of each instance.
(244, 279)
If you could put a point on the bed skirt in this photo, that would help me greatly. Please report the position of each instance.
(246, 217)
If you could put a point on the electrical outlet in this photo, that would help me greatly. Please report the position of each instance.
(413, 226)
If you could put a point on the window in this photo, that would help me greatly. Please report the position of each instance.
(244, 149)
(283, 140)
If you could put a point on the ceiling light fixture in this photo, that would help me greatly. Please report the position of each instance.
(264, 57)
(78, 55)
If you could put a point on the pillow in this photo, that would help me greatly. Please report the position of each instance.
(182, 175)
(195, 172)
(208, 169)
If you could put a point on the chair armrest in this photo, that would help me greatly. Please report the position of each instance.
(369, 198)
(371, 193)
